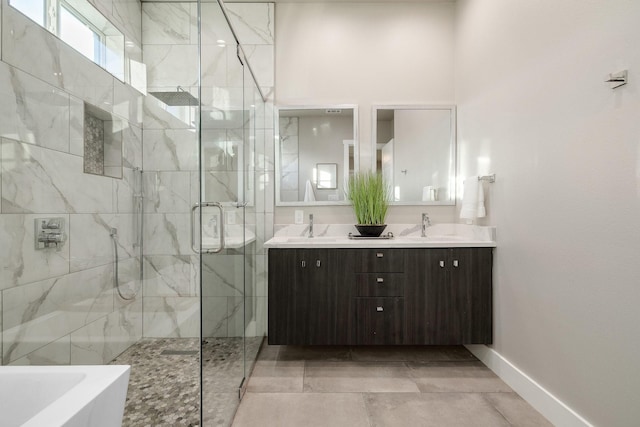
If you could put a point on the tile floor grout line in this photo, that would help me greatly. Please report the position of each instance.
(304, 373)
(496, 409)
(366, 408)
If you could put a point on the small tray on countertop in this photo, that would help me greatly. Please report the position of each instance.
(387, 236)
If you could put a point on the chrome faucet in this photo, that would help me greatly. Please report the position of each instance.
(310, 225)
(426, 222)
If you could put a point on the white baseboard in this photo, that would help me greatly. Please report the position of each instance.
(557, 412)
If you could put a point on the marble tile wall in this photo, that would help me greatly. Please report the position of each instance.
(170, 178)
(171, 303)
(237, 158)
(59, 306)
(255, 25)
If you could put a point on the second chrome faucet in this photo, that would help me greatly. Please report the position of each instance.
(426, 222)
(310, 225)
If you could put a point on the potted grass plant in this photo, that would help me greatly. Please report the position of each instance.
(369, 195)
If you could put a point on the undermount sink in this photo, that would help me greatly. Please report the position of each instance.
(446, 238)
(436, 238)
(311, 239)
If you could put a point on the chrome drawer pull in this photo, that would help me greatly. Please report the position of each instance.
(317, 263)
(379, 308)
(303, 264)
(441, 264)
(379, 254)
(380, 280)
(455, 262)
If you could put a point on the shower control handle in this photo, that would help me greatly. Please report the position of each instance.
(49, 233)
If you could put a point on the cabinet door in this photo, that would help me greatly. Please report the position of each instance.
(434, 303)
(445, 301)
(472, 273)
(327, 304)
(449, 296)
(379, 321)
(308, 303)
(287, 319)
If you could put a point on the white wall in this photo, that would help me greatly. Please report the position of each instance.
(533, 108)
(364, 54)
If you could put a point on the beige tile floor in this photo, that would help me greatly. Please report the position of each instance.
(376, 387)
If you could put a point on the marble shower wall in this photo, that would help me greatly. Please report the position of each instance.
(60, 306)
(171, 164)
(254, 24)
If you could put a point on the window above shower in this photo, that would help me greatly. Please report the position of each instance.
(81, 26)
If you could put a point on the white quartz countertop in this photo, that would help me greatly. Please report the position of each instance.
(405, 236)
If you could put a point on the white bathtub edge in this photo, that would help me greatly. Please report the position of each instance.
(98, 399)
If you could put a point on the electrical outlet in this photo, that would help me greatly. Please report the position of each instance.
(299, 216)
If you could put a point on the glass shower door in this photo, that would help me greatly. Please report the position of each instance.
(253, 130)
(223, 224)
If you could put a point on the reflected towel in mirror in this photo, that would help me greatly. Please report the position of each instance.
(429, 194)
(472, 199)
(309, 195)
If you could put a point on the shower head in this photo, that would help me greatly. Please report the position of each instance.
(177, 98)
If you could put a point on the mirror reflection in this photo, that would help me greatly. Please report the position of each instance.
(415, 150)
(327, 176)
(315, 154)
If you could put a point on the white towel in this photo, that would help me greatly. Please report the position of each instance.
(472, 199)
(309, 195)
(429, 194)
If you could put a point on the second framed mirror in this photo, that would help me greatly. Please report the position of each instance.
(415, 149)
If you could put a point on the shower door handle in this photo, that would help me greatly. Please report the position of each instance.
(193, 240)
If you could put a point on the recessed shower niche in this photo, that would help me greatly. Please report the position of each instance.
(102, 142)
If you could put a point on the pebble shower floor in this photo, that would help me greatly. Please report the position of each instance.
(164, 381)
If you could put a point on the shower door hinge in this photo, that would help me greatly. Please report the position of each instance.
(242, 389)
(240, 54)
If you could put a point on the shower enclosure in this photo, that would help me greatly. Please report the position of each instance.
(204, 141)
(154, 260)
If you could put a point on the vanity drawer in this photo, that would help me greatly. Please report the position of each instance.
(379, 284)
(380, 261)
(379, 321)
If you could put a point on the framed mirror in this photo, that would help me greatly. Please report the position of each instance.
(316, 152)
(415, 149)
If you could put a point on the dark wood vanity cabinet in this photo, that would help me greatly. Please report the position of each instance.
(309, 303)
(380, 296)
(451, 299)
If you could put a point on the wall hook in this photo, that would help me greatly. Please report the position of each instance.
(617, 79)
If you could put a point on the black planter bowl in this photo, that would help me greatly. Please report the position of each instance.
(371, 230)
